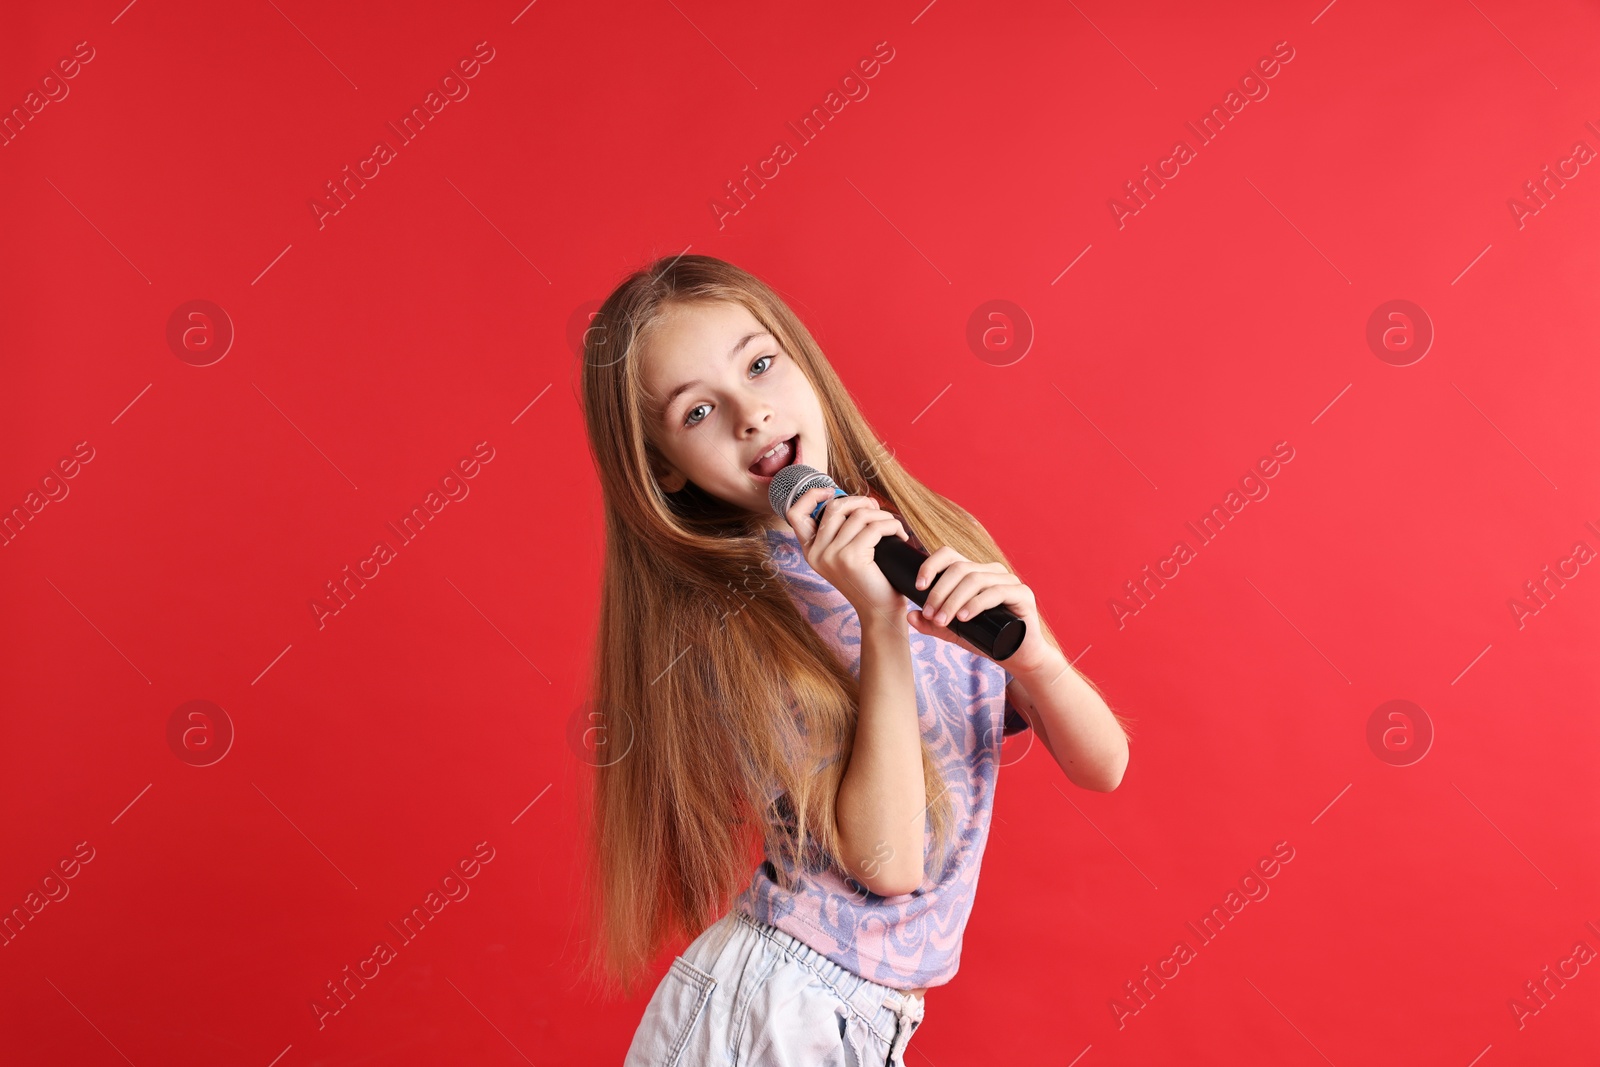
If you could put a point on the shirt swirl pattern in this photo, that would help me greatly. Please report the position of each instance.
(914, 939)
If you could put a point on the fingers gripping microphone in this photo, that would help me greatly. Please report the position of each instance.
(996, 631)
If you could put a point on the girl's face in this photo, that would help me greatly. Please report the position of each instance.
(724, 393)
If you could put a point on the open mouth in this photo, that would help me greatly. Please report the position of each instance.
(788, 452)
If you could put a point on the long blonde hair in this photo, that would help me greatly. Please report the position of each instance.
(706, 681)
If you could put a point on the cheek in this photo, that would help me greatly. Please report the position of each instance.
(704, 456)
(803, 396)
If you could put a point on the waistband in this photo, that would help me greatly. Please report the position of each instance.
(892, 1013)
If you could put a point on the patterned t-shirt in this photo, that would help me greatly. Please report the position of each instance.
(914, 939)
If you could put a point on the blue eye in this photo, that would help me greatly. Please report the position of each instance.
(688, 419)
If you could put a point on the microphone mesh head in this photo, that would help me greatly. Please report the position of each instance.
(793, 482)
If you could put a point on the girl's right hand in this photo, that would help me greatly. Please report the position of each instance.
(841, 548)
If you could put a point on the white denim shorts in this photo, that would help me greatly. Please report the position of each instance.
(746, 994)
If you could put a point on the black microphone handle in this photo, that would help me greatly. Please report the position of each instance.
(996, 631)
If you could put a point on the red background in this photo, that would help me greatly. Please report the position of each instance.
(438, 309)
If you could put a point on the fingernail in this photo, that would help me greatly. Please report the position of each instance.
(922, 583)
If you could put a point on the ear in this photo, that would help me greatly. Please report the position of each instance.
(669, 477)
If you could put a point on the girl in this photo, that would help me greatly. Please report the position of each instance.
(757, 681)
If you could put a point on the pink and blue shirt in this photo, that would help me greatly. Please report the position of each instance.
(912, 940)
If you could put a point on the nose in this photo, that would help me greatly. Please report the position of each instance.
(755, 416)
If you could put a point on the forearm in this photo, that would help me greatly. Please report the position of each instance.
(882, 801)
(1074, 724)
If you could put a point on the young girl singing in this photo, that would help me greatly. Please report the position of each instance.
(758, 684)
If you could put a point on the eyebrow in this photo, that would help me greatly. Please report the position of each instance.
(666, 405)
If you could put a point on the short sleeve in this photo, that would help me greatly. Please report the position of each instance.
(772, 789)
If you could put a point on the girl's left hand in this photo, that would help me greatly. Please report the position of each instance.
(967, 588)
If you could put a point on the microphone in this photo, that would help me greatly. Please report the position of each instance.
(996, 631)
